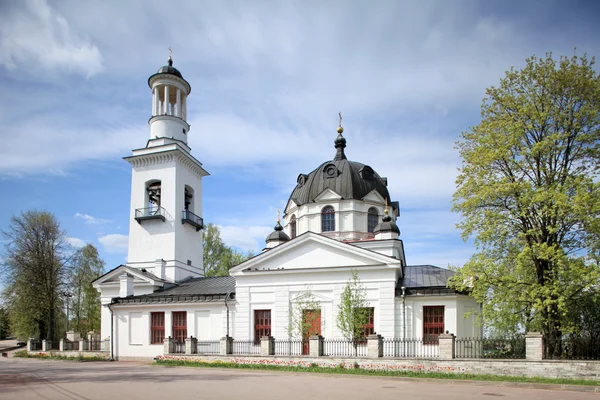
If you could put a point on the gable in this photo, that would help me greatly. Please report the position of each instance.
(313, 251)
(139, 277)
(374, 196)
(327, 195)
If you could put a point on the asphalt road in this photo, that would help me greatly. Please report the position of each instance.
(26, 379)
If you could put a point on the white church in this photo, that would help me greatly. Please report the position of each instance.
(338, 219)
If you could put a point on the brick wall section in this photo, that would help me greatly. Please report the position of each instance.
(548, 368)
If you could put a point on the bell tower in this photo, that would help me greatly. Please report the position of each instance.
(165, 229)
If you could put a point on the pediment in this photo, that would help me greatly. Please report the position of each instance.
(291, 206)
(314, 251)
(327, 195)
(374, 196)
(112, 277)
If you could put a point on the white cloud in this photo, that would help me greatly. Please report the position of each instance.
(249, 238)
(75, 242)
(36, 36)
(90, 220)
(114, 243)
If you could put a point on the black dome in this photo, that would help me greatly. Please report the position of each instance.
(278, 235)
(167, 69)
(387, 225)
(349, 179)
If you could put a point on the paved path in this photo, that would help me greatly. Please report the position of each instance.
(39, 379)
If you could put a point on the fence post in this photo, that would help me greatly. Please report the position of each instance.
(446, 346)
(267, 346)
(83, 345)
(106, 345)
(374, 346)
(44, 345)
(315, 346)
(30, 344)
(226, 346)
(191, 345)
(168, 345)
(534, 346)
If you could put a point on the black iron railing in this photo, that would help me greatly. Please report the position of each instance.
(144, 214)
(245, 347)
(409, 348)
(70, 346)
(36, 345)
(50, 345)
(490, 347)
(192, 219)
(94, 345)
(572, 348)
(178, 347)
(342, 347)
(291, 347)
(208, 347)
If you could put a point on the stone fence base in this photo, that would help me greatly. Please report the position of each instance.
(547, 369)
(73, 353)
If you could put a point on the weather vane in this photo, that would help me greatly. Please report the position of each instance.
(170, 52)
(340, 114)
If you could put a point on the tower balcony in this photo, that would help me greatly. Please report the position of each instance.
(144, 214)
(192, 219)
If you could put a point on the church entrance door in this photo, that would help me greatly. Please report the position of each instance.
(311, 325)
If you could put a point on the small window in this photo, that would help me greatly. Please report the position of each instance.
(262, 324)
(188, 195)
(327, 219)
(372, 219)
(189, 262)
(369, 326)
(293, 226)
(153, 192)
(157, 327)
(433, 324)
(179, 326)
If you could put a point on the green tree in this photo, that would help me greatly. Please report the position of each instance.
(87, 266)
(529, 194)
(304, 313)
(4, 324)
(37, 258)
(353, 313)
(218, 257)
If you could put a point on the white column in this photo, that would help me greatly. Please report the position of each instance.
(166, 100)
(178, 103)
(183, 107)
(154, 92)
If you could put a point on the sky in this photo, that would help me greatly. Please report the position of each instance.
(268, 80)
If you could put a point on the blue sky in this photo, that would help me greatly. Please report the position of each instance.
(268, 79)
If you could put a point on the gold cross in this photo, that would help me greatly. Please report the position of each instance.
(340, 114)
(278, 220)
(170, 52)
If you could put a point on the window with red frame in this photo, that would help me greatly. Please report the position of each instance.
(262, 324)
(369, 326)
(157, 327)
(433, 324)
(179, 326)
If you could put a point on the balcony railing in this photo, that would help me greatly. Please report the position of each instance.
(189, 217)
(143, 214)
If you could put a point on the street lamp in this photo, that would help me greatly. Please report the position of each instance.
(67, 296)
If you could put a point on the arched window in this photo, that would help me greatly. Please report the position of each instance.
(153, 196)
(372, 219)
(327, 219)
(293, 226)
(188, 195)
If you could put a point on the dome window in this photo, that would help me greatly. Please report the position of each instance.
(302, 179)
(366, 172)
(372, 219)
(330, 171)
(327, 219)
(293, 227)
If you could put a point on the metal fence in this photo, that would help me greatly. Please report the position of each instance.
(291, 347)
(208, 347)
(35, 345)
(50, 345)
(245, 347)
(409, 348)
(94, 345)
(572, 348)
(344, 348)
(178, 346)
(70, 346)
(490, 348)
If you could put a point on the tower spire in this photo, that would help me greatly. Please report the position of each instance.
(340, 141)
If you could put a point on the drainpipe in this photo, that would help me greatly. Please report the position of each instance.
(227, 306)
(112, 319)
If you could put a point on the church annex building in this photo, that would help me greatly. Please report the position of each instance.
(338, 219)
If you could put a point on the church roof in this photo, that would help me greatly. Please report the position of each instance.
(190, 290)
(425, 280)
